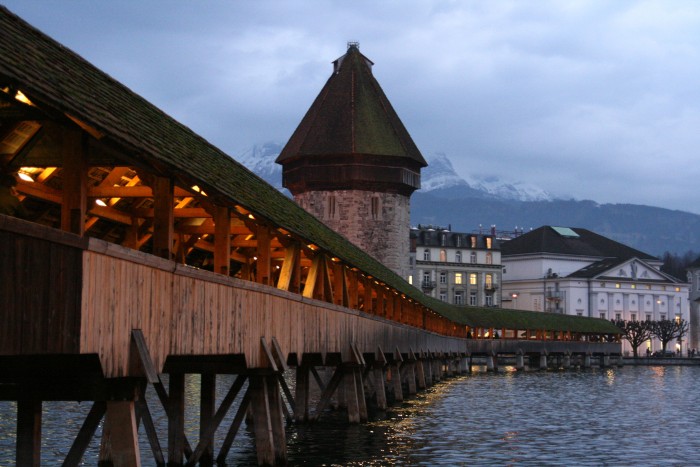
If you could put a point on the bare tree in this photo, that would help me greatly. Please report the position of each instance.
(635, 332)
(668, 329)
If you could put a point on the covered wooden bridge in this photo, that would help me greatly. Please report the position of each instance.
(146, 251)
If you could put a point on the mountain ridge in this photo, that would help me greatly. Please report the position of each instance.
(446, 198)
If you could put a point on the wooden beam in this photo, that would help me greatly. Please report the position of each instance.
(222, 240)
(177, 213)
(163, 220)
(87, 431)
(28, 450)
(74, 202)
(290, 266)
(140, 191)
(312, 275)
(263, 266)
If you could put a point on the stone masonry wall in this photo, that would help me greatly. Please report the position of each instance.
(379, 223)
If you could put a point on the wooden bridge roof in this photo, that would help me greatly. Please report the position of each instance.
(67, 88)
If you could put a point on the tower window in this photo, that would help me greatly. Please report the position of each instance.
(376, 208)
(330, 211)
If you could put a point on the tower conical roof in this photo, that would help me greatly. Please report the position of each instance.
(351, 116)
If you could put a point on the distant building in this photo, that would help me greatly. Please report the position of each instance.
(694, 299)
(353, 164)
(458, 268)
(578, 272)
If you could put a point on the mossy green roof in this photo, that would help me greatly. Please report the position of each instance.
(61, 82)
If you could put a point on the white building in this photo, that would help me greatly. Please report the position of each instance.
(457, 268)
(578, 272)
(694, 280)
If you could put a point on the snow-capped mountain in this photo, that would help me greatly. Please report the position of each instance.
(441, 177)
(260, 159)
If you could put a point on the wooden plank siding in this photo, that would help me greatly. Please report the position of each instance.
(186, 311)
(40, 274)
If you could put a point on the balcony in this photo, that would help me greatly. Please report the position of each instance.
(427, 285)
(490, 288)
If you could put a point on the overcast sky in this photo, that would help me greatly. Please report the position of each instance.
(586, 99)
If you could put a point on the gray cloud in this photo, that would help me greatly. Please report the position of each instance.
(593, 100)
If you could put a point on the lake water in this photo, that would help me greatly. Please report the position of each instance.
(621, 416)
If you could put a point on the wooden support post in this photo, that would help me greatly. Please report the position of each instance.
(519, 361)
(28, 432)
(380, 378)
(543, 361)
(301, 414)
(74, 203)
(587, 360)
(163, 217)
(428, 367)
(566, 364)
(368, 303)
(222, 240)
(312, 276)
(411, 373)
(396, 375)
(420, 372)
(360, 391)
(207, 409)
(176, 419)
(263, 265)
(351, 396)
(120, 443)
(268, 427)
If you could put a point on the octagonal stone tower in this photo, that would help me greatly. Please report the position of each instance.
(352, 163)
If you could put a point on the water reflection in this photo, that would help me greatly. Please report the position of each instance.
(630, 416)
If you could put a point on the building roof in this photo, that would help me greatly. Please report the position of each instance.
(570, 242)
(434, 237)
(351, 116)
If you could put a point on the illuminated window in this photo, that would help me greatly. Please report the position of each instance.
(489, 241)
(472, 278)
(488, 281)
(458, 278)
(443, 256)
(633, 286)
(473, 241)
(678, 289)
(617, 285)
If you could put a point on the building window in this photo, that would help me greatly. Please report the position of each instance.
(443, 277)
(330, 212)
(426, 278)
(602, 284)
(663, 316)
(488, 281)
(678, 289)
(426, 255)
(443, 295)
(376, 209)
(472, 298)
(459, 298)
(443, 238)
(473, 241)
(488, 300)
(443, 256)
(602, 316)
(618, 316)
(458, 278)
(648, 316)
(617, 285)
(489, 242)
(472, 257)
(458, 256)
(489, 258)
(472, 278)
(633, 317)
(458, 241)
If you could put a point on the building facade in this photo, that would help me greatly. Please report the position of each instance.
(694, 301)
(577, 272)
(457, 268)
(353, 165)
